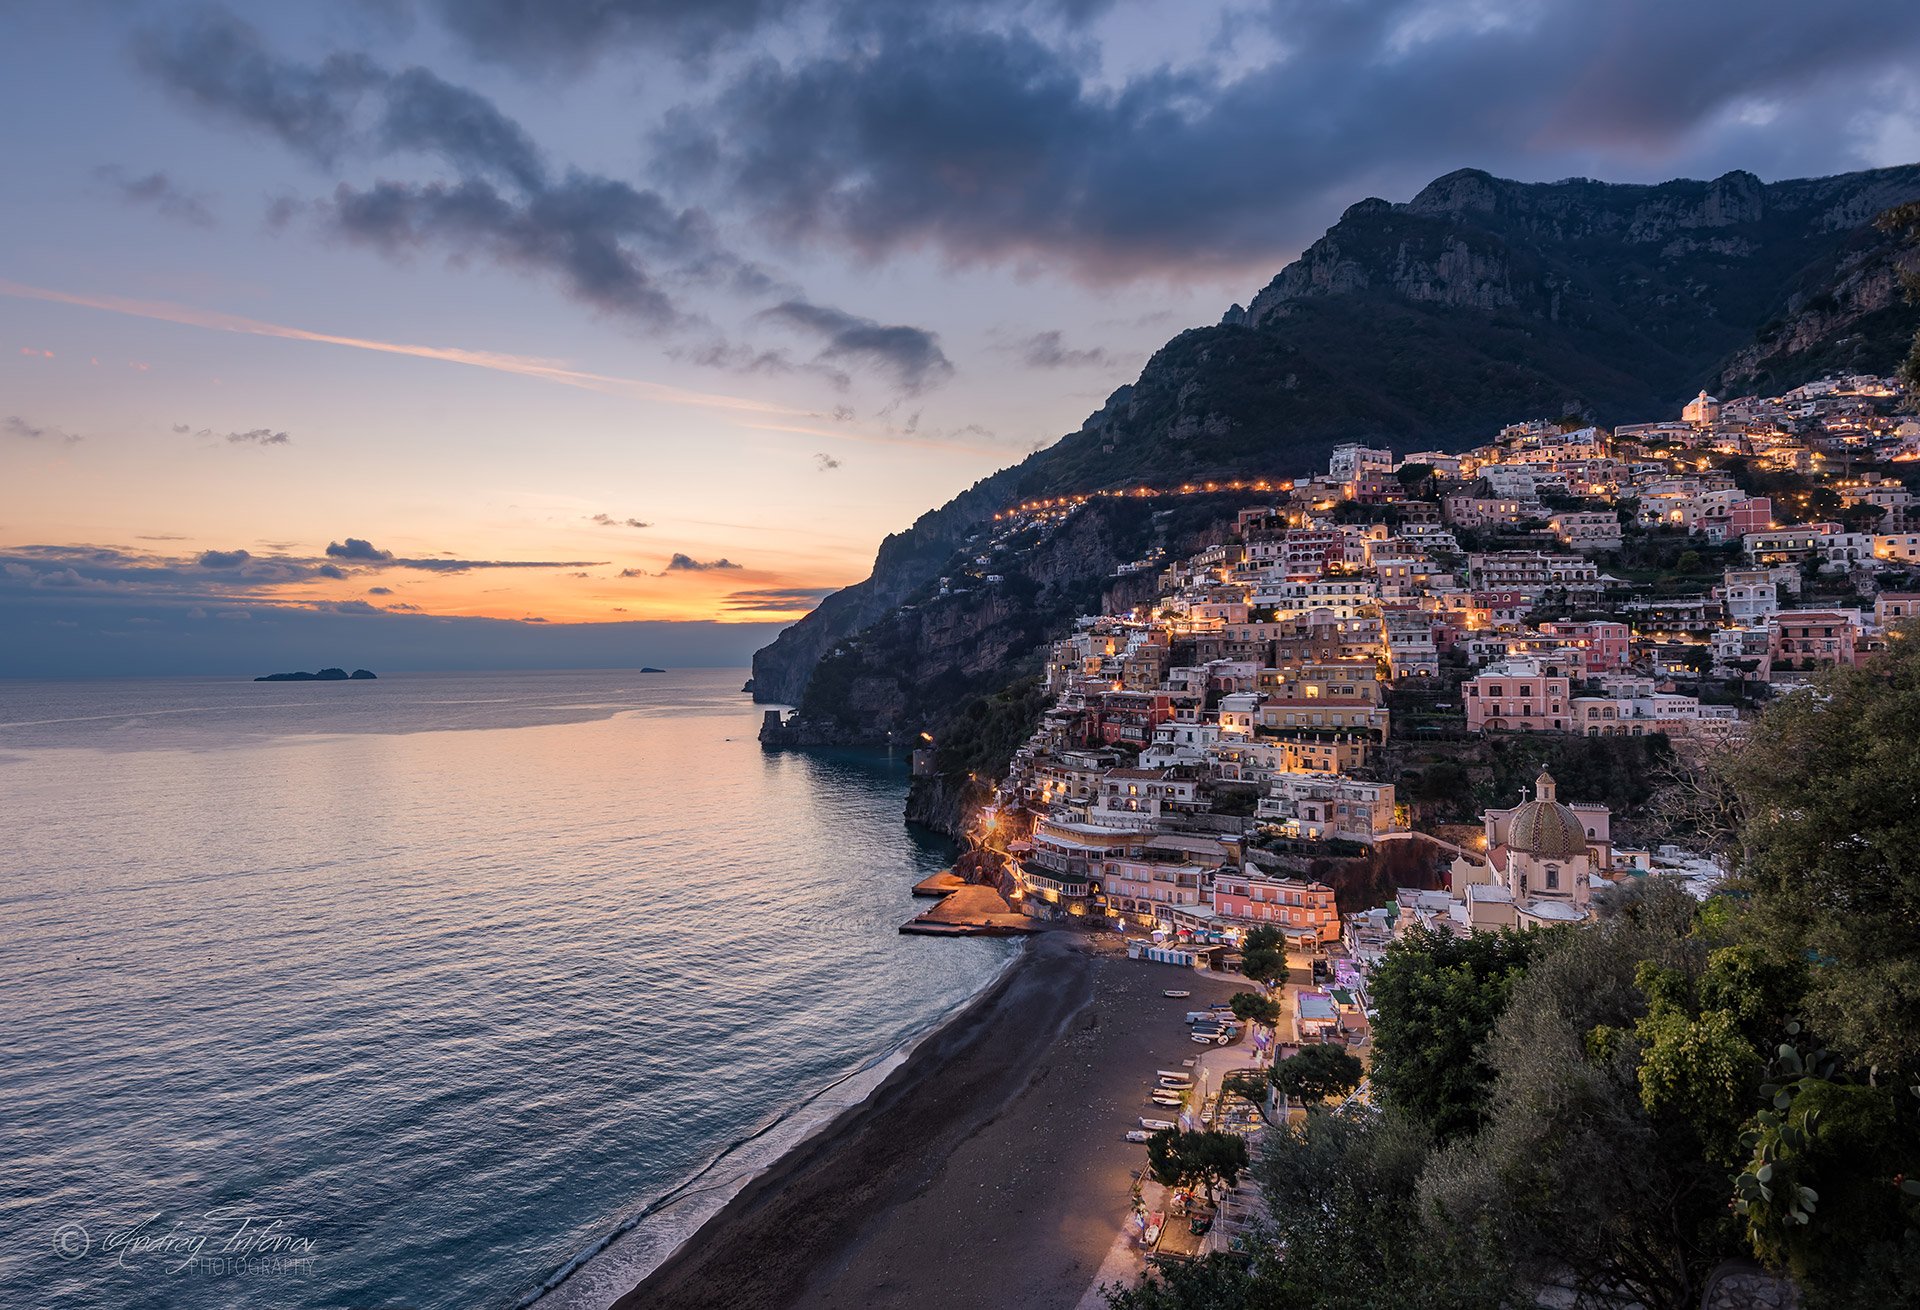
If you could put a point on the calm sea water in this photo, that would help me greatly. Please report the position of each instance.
(415, 993)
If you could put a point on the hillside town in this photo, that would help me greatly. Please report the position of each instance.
(1206, 754)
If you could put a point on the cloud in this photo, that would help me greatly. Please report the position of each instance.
(911, 356)
(990, 143)
(159, 191)
(635, 573)
(546, 370)
(15, 426)
(610, 244)
(783, 599)
(224, 559)
(557, 35)
(379, 591)
(470, 565)
(356, 548)
(220, 65)
(1049, 350)
(333, 571)
(825, 463)
(687, 564)
(609, 521)
(253, 437)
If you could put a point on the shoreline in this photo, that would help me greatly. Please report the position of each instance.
(998, 1135)
(579, 1285)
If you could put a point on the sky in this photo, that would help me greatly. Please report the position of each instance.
(580, 333)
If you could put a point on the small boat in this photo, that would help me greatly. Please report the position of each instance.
(1176, 993)
(1139, 1135)
(1171, 1101)
(1177, 1084)
(1158, 1125)
(1155, 1222)
(1203, 1039)
(1186, 1073)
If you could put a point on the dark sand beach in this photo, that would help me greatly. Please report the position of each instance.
(988, 1171)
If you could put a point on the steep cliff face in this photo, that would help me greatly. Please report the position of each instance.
(1428, 324)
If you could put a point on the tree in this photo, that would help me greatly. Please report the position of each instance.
(1263, 955)
(1830, 789)
(1318, 1072)
(1252, 1007)
(1213, 1282)
(1197, 1159)
(1437, 998)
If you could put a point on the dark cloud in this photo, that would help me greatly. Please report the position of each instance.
(547, 35)
(825, 463)
(333, 571)
(1049, 350)
(158, 190)
(356, 548)
(635, 573)
(219, 64)
(989, 143)
(609, 521)
(776, 598)
(461, 126)
(15, 426)
(911, 356)
(224, 559)
(379, 591)
(687, 564)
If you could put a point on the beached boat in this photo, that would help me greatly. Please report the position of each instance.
(1155, 1222)
(1176, 992)
(1157, 1125)
(1164, 1097)
(1177, 1084)
(1175, 1073)
(1203, 1039)
(1139, 1135)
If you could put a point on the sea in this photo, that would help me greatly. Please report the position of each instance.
(443, 990)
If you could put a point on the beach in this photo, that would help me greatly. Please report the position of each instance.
(989, 1170)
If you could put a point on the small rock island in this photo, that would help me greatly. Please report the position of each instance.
(648, 668)
(324, 675)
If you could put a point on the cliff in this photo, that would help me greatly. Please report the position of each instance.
(1424, 324)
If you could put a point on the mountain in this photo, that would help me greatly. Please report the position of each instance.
(1427, 324)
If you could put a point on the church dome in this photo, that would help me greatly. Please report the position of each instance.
(1545, 827)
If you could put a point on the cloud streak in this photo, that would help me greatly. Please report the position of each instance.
(544, 370)
(15, 426)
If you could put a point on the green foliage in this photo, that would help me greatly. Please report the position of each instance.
(1263, 955)
(1213, 1282)
(1700, 1069)
(1438, 997)
(1202, 1159)
(1831, 783)
(1317, 1072)
(1253, 1007)
(1621, 773)
(985, 732)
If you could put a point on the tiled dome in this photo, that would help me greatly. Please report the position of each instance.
(1545, 827)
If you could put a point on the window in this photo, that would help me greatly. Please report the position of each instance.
(1553, 877)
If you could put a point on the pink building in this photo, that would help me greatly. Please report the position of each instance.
(1609, 646)
(1301, 910)
(1517, 695)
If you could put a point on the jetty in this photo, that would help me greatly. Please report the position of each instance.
(966, 910)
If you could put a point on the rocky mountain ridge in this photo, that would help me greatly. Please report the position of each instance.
(1426, 324)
